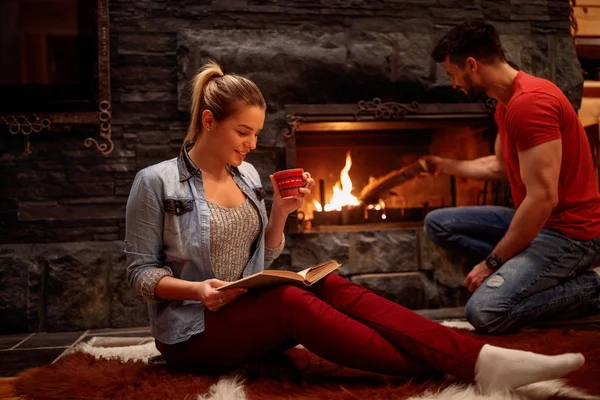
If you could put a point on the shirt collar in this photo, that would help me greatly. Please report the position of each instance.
(187, 168)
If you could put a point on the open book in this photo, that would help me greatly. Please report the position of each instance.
(270, 277)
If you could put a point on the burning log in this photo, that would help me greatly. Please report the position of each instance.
(347, 216)
(373, 191)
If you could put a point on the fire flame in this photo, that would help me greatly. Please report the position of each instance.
(318, 206)
(342, 196)
(379, 206)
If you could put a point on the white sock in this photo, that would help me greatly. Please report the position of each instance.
(498, 368)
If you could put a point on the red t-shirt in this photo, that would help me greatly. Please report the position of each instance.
(539, 112)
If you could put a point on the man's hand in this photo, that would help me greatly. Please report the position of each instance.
(434, 166)
(477, 276)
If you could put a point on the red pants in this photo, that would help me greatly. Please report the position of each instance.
(337, 320)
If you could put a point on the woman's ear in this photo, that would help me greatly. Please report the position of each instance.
(208, 120)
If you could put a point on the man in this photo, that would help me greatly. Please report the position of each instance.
(538, 259)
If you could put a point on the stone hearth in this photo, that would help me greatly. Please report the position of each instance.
(397, 263)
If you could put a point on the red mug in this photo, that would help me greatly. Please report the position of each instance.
(289, 181)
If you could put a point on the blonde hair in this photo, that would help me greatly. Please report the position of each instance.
(221, 94)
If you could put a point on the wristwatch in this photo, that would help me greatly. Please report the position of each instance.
(493, 262)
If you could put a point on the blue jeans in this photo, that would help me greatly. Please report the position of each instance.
(549, 280)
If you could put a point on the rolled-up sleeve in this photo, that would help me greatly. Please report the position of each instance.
(272, 254)
(143, 235)
(147, 280)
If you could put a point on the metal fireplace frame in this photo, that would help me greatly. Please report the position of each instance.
(376, 115)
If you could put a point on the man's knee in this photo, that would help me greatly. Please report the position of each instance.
(434, 224)
(482, 317)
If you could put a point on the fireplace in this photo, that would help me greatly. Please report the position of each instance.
(365, 160)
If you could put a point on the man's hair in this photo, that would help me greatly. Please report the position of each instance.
(475, 39)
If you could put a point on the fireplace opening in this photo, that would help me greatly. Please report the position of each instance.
(365, 160)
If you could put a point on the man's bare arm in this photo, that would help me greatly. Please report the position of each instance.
(540, 171)
(484, 168)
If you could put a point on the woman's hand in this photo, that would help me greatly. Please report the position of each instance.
(215, 299)
(285, 206)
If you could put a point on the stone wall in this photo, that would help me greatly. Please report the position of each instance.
(62, 206)
(397, 263)
(62, 287)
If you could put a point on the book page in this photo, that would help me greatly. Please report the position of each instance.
(270, 277)
(265, 278)
(319, 271)
(305, 272)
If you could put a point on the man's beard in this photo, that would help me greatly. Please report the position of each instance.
(476, 93)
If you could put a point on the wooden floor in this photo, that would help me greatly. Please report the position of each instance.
(7, 389)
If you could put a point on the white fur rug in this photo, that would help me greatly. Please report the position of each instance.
(458, 324)
(232, 387)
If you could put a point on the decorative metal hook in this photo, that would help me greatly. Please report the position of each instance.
(389, 110)
(294, 121)
(490, 105)
(25, 124)
(105, 117)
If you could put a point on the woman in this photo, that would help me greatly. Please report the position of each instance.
(198, 221)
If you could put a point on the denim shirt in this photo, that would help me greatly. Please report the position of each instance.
(168, 226)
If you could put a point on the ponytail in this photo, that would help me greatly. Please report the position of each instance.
(201, 81)
(221, 94)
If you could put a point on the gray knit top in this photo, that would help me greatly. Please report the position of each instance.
(233, 232)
